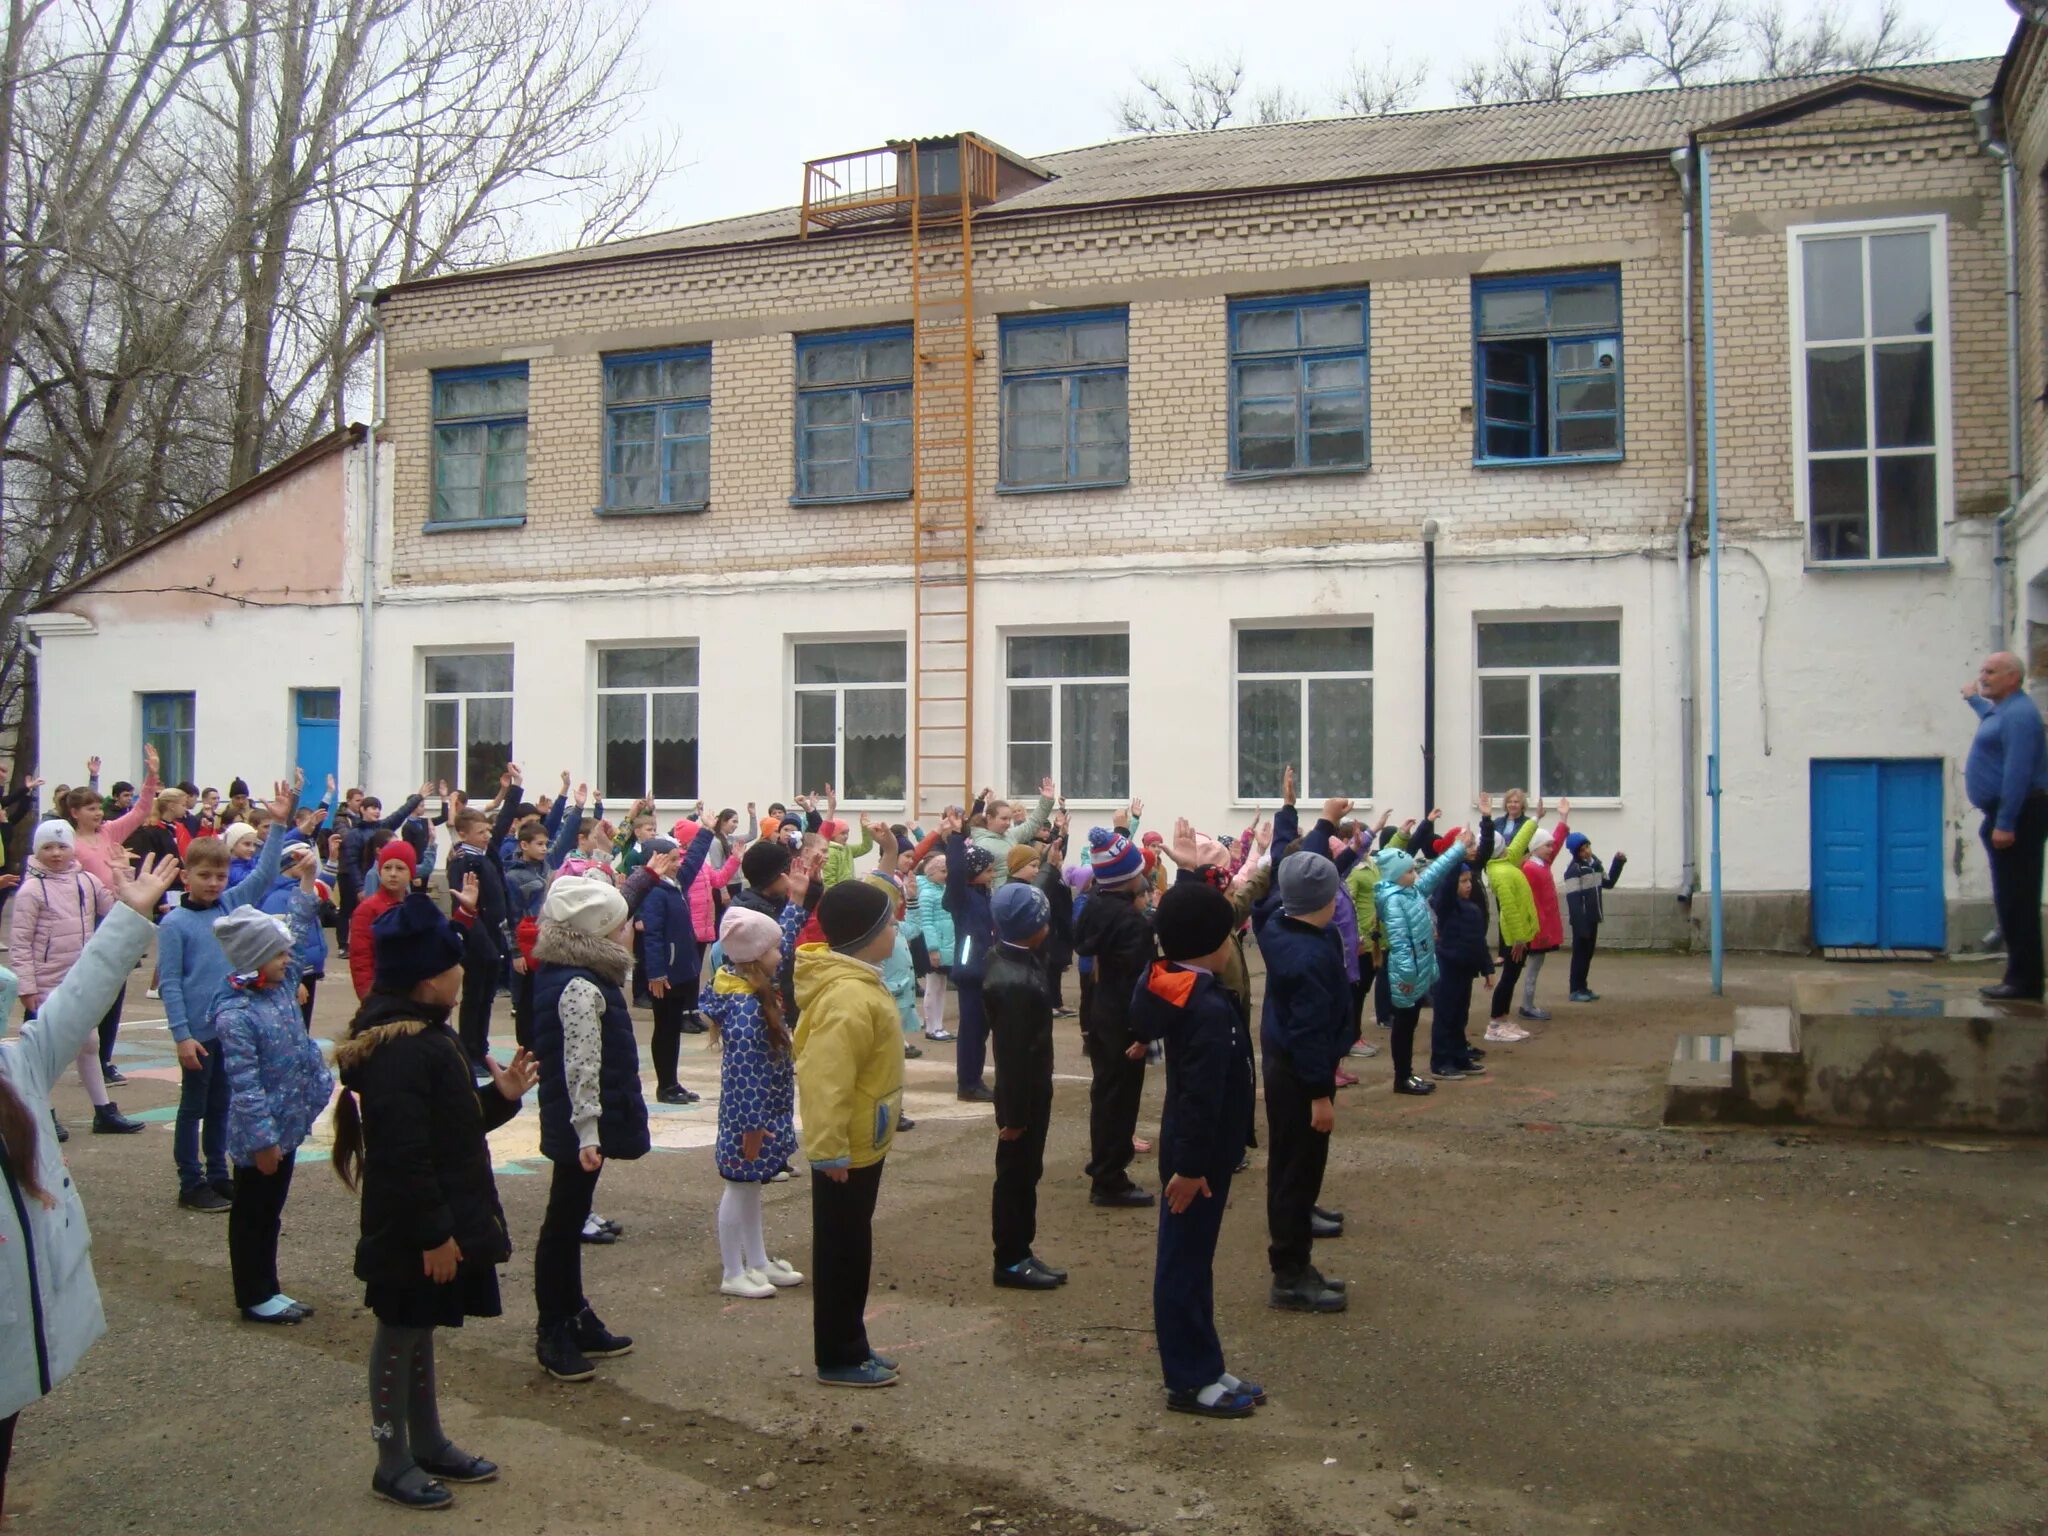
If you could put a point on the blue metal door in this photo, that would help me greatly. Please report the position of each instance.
(1876, 855)
(317, 748)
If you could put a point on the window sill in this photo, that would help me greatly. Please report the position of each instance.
(680, 508)
(474, 523)
(1913, 563)
(1310, 811)
(1554, 461)
(846, 501)
(1336, 472)
(1078, 485)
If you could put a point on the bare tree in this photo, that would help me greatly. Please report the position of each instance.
(1683, 42)
(1281, 104)
(1378, 87)
(1781, 45)
(1561, 48)
(1202, 99)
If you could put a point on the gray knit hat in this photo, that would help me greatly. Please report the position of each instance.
(249, 937)
(1308, 883)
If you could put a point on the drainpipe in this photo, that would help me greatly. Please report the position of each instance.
(1429, 533)
(1984, 112)
(1716, 918)
(366, 294)
(1688, 769)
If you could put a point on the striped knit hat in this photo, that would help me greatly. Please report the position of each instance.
(1113, 857)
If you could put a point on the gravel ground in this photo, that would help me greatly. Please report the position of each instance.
(1564, 1319)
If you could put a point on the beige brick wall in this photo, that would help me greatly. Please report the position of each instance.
(2026, 127)
(1416, 246)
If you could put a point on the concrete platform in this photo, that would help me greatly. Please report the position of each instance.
(1934, 1056)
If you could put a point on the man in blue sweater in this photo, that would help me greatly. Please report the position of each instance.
(192, 969)
(2006, 777)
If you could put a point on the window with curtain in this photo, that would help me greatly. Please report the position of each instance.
(1870, 329)
(1304, 697)
(853, 719)
(1550, 707)
(1069, 714)
(480, 444)
(657, 424)
(1066, 418)
(468, 734)
(647, 722)
(1548, 366)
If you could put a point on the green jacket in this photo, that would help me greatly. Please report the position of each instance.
(839, 859)
(1511, 894)
(999, 844)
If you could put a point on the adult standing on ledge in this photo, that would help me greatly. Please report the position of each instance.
(2007, 779)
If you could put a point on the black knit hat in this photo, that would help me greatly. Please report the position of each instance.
(1193, 920)
(414, 942)
(764, 863)
(853, 912)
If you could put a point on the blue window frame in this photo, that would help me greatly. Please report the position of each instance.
(167, 725)
(1299, 384)
(1066, 400)
(657, 431)
(1547, 367)
(853, 415)
(480, 445)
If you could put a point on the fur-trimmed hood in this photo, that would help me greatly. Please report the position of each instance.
(384, 1017)
(559, 944)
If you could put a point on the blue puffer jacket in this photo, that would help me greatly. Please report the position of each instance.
(1408, 923)
(935, 922)
(310, 951)
(974, 923)
(277, 1082)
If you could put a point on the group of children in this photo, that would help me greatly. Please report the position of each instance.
(814, 982)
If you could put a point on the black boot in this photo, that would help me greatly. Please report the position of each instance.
(596, 1340)
(107, 1120)
(555, 1348)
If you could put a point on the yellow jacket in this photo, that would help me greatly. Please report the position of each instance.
(849, 1060)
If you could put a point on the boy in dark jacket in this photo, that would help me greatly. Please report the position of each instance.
(1112, 931)
(970, 881)
(1304, 1032)
(668, 949)
(351, 869)
(1462, 957)
(433, 1233)
(1020, 1028)
(1207, 1125)
(1582, 884)
(488, 934)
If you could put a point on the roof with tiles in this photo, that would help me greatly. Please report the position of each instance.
(1336, 150)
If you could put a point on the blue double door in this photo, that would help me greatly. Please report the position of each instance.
(1876, 856)
(316, 737)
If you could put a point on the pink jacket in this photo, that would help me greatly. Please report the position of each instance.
(54, 916)
(98, 851)
(703, 909)
(1543, 886)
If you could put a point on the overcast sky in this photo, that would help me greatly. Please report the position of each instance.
(755, 89)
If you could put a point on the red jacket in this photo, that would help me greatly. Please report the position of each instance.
(1543, 887)
(362, 944)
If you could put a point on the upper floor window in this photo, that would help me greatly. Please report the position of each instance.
(647, 721)
(167, 725)
(1550, 707)
(480, 444)
(1066, 385)
(1298, 384)
(1548, 366)
(469, 720)
(657, 430)
(1870, 412)
(853, 415)
(1304, 698)
(852, 719)
(1069, 714)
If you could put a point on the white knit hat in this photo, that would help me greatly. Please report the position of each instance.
(54, 831)
(236, 833)
(588, 906)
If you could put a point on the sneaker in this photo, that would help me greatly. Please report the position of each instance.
(1345, 1079)
(1414, 1085)
(780, 1176)
(911, 1052)
(1129, 1198)
(781, 1274)
(1471, 1068)
(1231, 1405)
(596, 1340)
(107, 1120)
(1536, 1015)
(113, 1076)
(1500, 1032)
(749, 1283)
(1364, 1048)
(154, 995)
(869, 1373)
(205, 1198)
(940, 1034)
(595, 1231)
(905, 1123)
(977, 1093)
(613, 1227)
(1306, 1293)
(1585, 997)
(1140, 1145)
(1515, 1033)
(1474, 1053)
(556, 1350)
(1447, 1074)
(1063, 1013)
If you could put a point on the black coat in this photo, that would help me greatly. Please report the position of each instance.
(1020, 1028)
(426, 1167)
(1113, 933)
(1210, 1097)
(1057, 952)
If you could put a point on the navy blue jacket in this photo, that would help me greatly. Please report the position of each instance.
(1461, 933)
(494, 916)
(1209, 1094)
(1306, 1022)
(622, 1114)
(1111, 931)
(670, 952)
(349, 866)
(974, 925)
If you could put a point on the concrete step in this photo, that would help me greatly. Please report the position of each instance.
(1702, 1061)
(1766, 1031)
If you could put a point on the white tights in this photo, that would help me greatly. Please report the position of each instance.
(934, 1008)
(90, 1077)
(741, 1242)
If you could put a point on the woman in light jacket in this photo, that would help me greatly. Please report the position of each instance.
(49, 1303)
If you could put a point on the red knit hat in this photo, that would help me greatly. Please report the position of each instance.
(399, 851)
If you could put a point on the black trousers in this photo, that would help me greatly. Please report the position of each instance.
(842, 1261)
(666, 1043)
(1403, 1044)
(482, 968)
(312, 986)
(1296, 1153)
(1184, 1289)
(1450, 1012)
(6, 1454)
(1054, 990)
(1504, 989)
(1013, 1207)
(522, 1007)
(1087, 998)
(1113, 1099)
(1583, 941)
(344, 909)
(1382, 997)
(558, 1255)
(2016, 892)
(110, 1030)
(255, 1218)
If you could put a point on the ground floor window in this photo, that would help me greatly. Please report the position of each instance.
(647, 722)
(1304, 698)
(1550, 707)
(852, 719)
(167, 725)
(1069, 714)
(468, 720)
